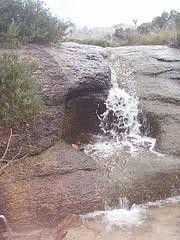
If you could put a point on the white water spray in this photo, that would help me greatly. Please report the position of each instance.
(134, 217)
(119, 124)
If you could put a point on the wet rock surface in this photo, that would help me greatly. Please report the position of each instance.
(142, 177)
(157, 74)
(42, 190)
(158, 223)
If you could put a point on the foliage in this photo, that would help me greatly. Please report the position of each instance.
(178, 40)
(92, 41)
(10, 39)
(163, 29)
(144, 28)
(29, 21)
(161, 38)
(18, 100)
(160, 22)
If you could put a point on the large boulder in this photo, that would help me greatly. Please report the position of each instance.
(88, 80)
(157, 80)
(74, 81)
(142, 178)
(41, 190)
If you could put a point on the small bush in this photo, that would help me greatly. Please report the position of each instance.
(29, 21)
(18, 100)
(163, 37)
(178, 39)
(135, 38)
(10, 38)
(97, 42)
(176, 42)
(92, 41)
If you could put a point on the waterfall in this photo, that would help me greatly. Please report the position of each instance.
(119, 124)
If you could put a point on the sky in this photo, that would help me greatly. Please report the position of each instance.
(110, 12)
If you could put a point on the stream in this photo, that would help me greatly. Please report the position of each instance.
(153, 221)
(121, 141)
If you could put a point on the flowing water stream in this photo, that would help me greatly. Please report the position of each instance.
(154, 221)
(120, 123)
(121, 133)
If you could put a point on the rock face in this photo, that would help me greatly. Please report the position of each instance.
(41, 190)
(88, 79)
(74, 80)
(157, 70)
(143, 177)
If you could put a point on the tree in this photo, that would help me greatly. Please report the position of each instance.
(135, 23)
(144, 28)
(119, 33)
(160, 21)
(176, 17)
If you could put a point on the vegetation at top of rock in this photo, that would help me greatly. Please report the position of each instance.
(28, 21)
(18, 100)
(163, 29)
(92, 41)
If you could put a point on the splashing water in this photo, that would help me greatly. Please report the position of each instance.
(120, 217)
(120, 124)
(126, 218)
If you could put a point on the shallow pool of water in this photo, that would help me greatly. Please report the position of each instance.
(154, 221)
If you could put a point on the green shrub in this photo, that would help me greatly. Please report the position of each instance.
(97, 42)
(178, 39)
(92, 41)
(28, 21)
(18, 100)
(10, 39)
(160, 38)
(163, 37)
(176, 42)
